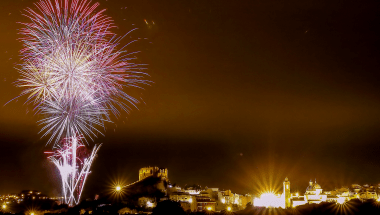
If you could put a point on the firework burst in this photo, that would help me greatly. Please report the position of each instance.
(75, 76)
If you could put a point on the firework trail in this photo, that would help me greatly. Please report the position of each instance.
(74, 75)
(74, 162)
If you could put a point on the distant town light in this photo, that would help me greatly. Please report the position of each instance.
(229, 208)
(269, 200)
(4, 206)
(341, 200)
(149, 204)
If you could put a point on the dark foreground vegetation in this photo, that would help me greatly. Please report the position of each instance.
(352, 207)
(174, 208)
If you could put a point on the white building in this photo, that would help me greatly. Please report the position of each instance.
(314, 193)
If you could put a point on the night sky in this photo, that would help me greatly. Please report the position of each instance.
(245, 93)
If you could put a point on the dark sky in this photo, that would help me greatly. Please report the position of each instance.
(245, 93)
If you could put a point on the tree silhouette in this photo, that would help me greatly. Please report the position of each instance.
(168, 207)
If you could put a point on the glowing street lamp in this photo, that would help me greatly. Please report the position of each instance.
(209, 208)
(118, 193)
(229, 208)
(4, 206)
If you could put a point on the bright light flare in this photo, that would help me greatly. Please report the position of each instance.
(344, 207)
(269, 200)
(341, 200)
(117, 186)
(149, 204)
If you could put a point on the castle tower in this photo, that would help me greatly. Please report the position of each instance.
(153, 171)
(287, 193)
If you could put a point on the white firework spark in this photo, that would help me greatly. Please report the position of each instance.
(75, 76)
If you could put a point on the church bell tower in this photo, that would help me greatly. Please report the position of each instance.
(287, 193)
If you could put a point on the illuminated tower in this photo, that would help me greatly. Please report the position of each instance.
(153, 171)
(287, 193)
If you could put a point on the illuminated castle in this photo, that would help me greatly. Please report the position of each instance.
(153, 171)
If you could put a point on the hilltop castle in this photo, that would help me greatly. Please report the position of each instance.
(153, 171)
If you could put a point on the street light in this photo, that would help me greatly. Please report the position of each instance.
(118, 193)
(228, 208)
(4, 206)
